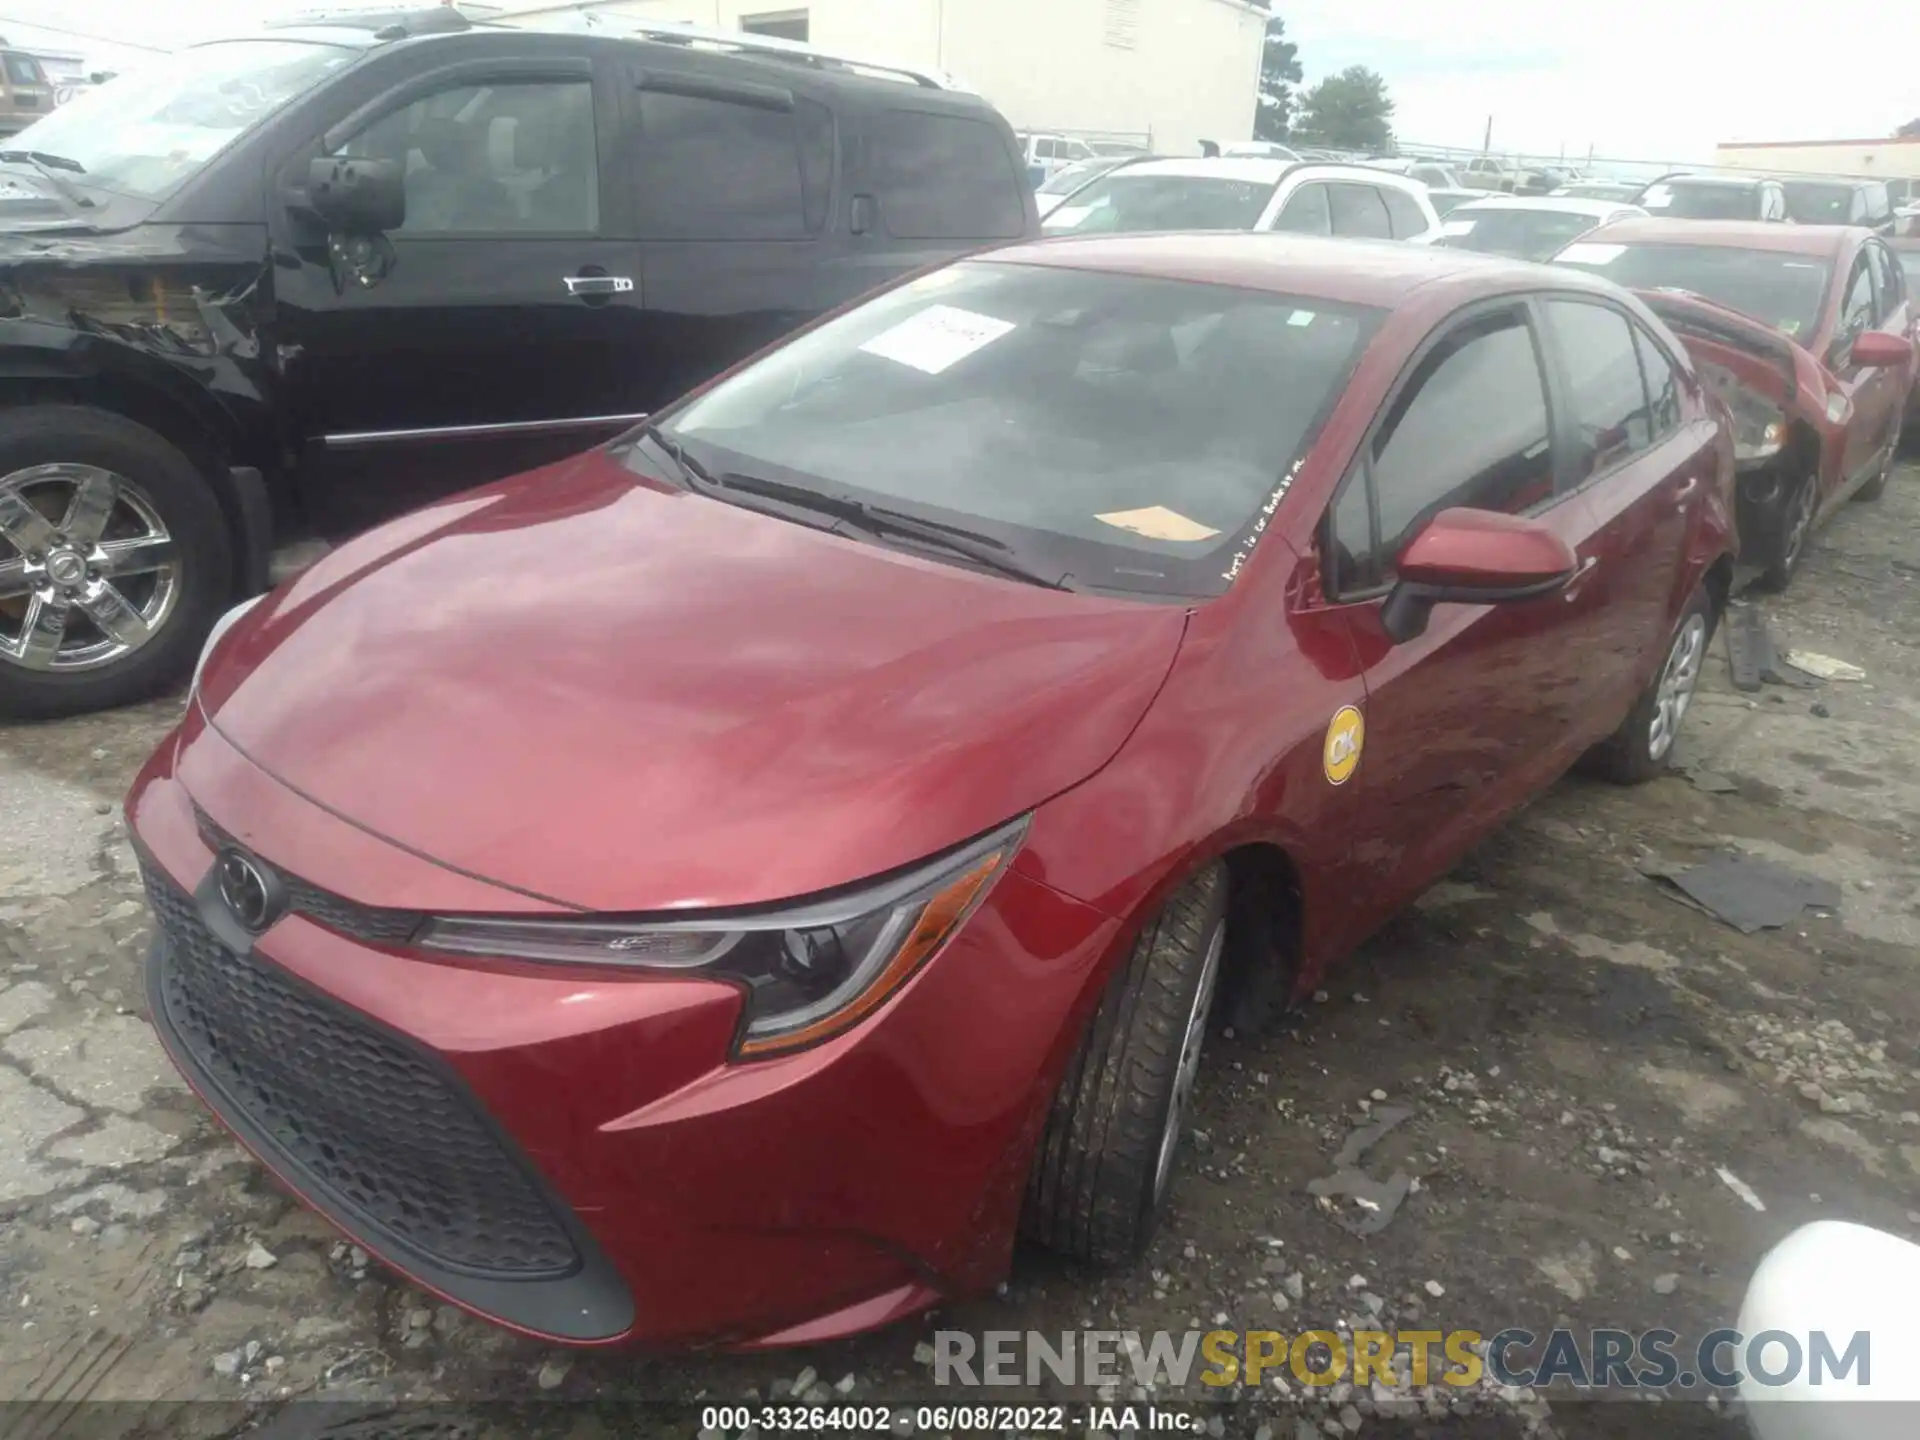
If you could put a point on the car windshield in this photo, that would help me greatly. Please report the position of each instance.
(1782, 290)
(1131, 432)
(146, 132)
(1815, 202)
(1128, 201)
(1684, 200)
(1529, 234)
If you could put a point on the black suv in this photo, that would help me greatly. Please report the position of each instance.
(411, 252)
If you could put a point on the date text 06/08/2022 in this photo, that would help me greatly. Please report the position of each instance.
(953, 1419)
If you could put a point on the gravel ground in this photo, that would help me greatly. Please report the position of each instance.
(1581, 1055)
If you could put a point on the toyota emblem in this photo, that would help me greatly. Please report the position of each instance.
(248, 891)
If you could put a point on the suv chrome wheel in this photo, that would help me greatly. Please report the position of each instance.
(1677, 683)
(88, 571)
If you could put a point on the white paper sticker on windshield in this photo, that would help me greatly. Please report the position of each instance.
(1658, 197)
(1156, 522)
(1456, 227)
(939, 336)
(1590, 252)
(1301, 317)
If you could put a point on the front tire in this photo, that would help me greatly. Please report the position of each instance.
(1105, 1162)
(1642, 746)
(114, 561)
(1783, 543)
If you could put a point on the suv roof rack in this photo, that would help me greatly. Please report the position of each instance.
(393, 24)
(760, 46)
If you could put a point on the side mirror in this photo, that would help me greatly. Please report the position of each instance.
(358, 197)
(1473, 557)
(1877, 350)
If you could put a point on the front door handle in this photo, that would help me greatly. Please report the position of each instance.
(598, 285)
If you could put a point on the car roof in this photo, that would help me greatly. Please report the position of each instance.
(1379, 273)
(1825, 241)
(1562, 204)
(1737, 182)
(1260, 170)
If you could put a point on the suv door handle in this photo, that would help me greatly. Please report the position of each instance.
(598, 285)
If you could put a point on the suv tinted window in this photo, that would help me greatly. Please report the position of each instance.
(1663, 384)
(1306, 212)
(23, 69)
(1358, 210)
(1470, 429)
(1405, 213)
(944, 177)
(707, 169)
(1604, 390)
(487, 158)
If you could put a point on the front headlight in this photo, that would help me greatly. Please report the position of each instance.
(809, 971)
(220, 627)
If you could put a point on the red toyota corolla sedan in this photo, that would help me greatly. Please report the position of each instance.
(1806, 331)
(719, 888)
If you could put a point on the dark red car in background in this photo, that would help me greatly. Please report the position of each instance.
(1807, 332)
(719, 888)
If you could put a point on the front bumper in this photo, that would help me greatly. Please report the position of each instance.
(569, 1152)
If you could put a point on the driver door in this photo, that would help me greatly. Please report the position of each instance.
(500, 325)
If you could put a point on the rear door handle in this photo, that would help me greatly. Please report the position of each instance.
(599, 285)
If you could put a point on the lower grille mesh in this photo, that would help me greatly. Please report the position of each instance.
(360, 1121)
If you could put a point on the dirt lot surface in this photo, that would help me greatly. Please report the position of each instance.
(1581, 1053)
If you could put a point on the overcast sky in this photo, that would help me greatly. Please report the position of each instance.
(1634, 80)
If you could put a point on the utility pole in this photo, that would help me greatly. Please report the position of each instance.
(1486, 145)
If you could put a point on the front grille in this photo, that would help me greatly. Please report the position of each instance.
(367, 1126)
(375, 924)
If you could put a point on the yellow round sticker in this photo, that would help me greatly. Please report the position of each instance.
(1346, 733)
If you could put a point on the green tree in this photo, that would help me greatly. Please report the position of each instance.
(1279, 73)
(1909, 131)
(1348, 111)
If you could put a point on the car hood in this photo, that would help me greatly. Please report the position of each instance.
(1758, 357)
(617, 696)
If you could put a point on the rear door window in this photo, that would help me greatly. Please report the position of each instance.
(1306, 212)
(714, 169)
(1605, 393)
(1405, 214)
(944, 177)
(1359, 211)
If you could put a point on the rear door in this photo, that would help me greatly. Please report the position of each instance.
(1466, 720)
(1642, 471)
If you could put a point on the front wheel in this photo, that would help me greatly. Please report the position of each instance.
(1106, 1159)
(1783, 541)
(1641, 747)
(114, 561)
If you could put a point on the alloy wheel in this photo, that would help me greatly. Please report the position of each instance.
(88, 570)
(1187, 1070)
(1678, 680)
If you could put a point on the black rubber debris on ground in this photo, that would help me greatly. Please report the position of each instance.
(1748, 894)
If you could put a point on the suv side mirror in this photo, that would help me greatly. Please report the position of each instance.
(358, 197)
(1473, 557)
(1877, 350)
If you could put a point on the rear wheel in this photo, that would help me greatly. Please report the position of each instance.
(114, 560)
(1106, 1159)
(1642, 746)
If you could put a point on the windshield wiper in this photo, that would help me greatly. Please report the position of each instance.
(983, 550)
(50, 167)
